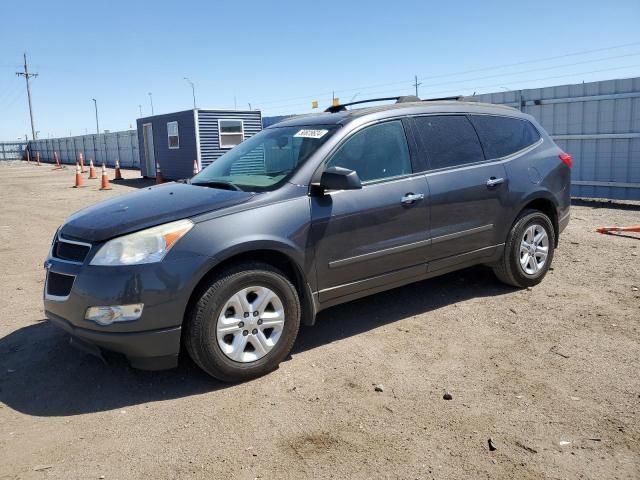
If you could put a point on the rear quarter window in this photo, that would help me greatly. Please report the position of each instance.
(449, 140)
(502, 136)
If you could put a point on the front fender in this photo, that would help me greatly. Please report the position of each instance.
(282, 227)
(244, 245)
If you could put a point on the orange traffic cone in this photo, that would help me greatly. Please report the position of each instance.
(79, 180)
(609, 230)
(159, 178)
(58, 166)
(38, 158)
(196, 170)
(105, 179)
(82, 170)
(118, 175)
(92, 170)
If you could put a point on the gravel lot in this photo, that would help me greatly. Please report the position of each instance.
(550, 374)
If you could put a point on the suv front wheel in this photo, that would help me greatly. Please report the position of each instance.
(244, 324)
(528, 251)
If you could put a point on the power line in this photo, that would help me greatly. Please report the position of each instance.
(452, 74)
(497, 85)
(546, 59)
(545, 78)
(477, 88)
(13, 100)
(27, 75)
(541, 69)
(500, 75)
(10, 90)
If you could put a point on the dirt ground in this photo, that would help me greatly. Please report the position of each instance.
(550, 374)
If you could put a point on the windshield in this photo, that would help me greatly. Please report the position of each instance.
(266, 159)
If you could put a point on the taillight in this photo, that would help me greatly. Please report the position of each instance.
(567, 159)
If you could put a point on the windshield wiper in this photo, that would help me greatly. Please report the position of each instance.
(222, 184)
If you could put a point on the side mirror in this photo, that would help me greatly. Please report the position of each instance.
(339, 178)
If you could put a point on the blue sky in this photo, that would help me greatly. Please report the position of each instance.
(280, 55)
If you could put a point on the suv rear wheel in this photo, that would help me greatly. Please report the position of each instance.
(244, 324)
(528, 251)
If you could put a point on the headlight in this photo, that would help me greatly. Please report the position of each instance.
(146, 246)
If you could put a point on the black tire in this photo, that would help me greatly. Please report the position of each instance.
(200, 336)
(508, 269)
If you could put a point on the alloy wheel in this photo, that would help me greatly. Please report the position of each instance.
(534, 249)
(250, 324)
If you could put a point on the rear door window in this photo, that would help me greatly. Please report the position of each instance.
(449, 140)
(502, 136)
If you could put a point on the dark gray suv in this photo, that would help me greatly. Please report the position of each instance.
(309, 213)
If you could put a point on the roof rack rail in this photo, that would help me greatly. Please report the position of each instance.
(459, 98)
(401, 99)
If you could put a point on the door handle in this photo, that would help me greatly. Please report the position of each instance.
(493, 181)
(409, 198)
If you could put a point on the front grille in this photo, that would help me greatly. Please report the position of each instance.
(59, 285)
(72, 252)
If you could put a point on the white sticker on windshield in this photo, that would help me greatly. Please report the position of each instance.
(310, 133)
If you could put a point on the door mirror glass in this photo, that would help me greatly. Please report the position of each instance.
(338, 178)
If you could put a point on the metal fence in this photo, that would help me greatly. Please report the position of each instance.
(12, 150)
(598, 123)
(101, 148)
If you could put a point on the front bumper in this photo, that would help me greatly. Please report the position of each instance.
(150, 342)
(151, 350)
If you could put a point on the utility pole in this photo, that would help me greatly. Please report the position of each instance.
(95, 104)
(27, 75)
(249, 105)
(334, 101)
(151, 100)
(416, 84)
(140, 108)
(193, 91)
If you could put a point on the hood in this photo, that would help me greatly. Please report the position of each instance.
(147, 208)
